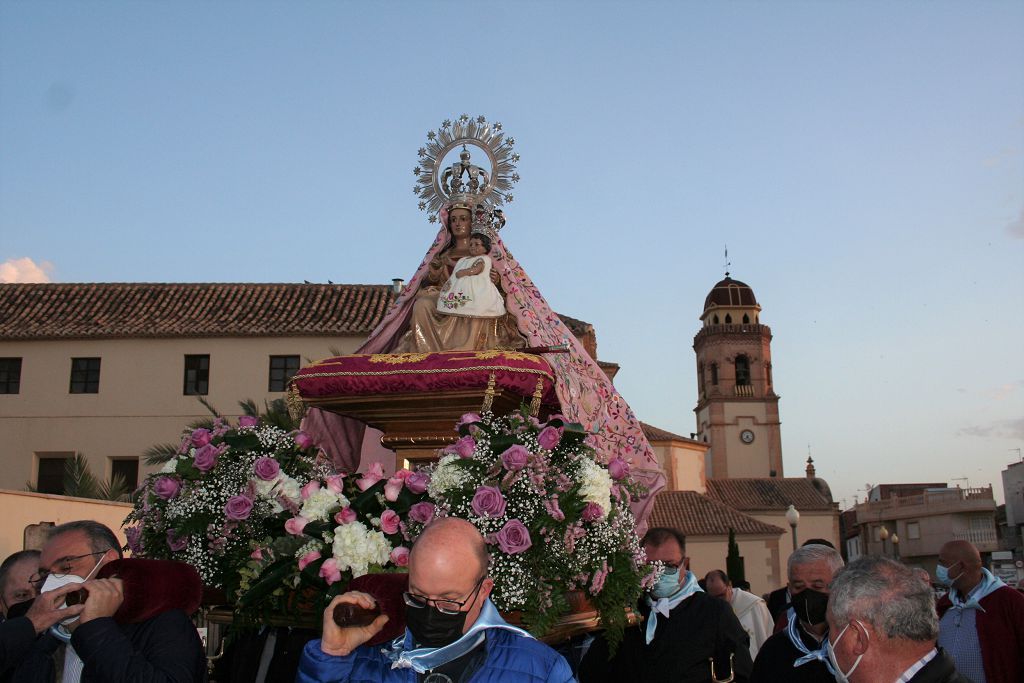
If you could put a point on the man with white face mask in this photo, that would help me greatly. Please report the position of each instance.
(95, 648)
(883, 627)
(687, 635)
(981, 619)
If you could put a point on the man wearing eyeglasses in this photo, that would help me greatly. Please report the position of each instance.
(165, 647)
(453, 632)
(687, 636)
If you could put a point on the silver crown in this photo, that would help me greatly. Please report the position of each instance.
(465, 184)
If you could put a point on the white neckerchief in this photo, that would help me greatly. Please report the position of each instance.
(917, 666)
(807, 655)
(989, 584)
(663, 606)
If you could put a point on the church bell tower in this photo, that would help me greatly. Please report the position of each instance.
(737, 408)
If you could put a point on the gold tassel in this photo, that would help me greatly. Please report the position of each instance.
(296, 407)
(488, 395)
(537, 393)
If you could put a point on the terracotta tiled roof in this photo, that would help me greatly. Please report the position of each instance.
(760, 495)
(697, 515)
(110, 310)
(162, 310)
(654, 434)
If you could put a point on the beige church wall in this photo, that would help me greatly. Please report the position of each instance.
(683, 464)
(140, 400)
(19, 510)
(758, 552)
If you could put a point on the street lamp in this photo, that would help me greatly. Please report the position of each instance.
(883, 534)
(895, 547)
(793, 517)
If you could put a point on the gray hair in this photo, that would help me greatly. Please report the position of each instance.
(100, 537)
(887, 595)
(815, 553)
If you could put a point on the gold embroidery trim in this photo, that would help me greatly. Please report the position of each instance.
(397, 358)
(436, 371)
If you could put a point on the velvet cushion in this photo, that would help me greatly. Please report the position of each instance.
(152, 587)
(387, 590)
(398, 373)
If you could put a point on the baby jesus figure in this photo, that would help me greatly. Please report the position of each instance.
(469, 291)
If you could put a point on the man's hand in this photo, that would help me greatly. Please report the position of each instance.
(46, 609)
(341, 641)
(105, 597)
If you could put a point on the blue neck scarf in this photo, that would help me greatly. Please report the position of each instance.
(989, 584)
(423, 659)
(807, 655)
(663, 606)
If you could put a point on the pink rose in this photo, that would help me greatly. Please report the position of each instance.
(201, 437)
(514, 537)
(329, 571)
(592, 512)
(468, 418)
(417, 482)
(618, 468)
(133, 535)
(167, 487)
(421, 512)
(303, 440)
(256, 554)
(238, 508)
(549, 438)
(393, 488)
(515, 457)
(307, 558)
(465, 447)
(374, 474)
(175, 542)
(309, 489)
(267, 469)
(403, 473)
(400, 556)
(247, 421)
(334, 483)
(345, 515)
(389, 522)
(488, 502)
(295, 525)
(206, 457)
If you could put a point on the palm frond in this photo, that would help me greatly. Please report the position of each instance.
(249, 408)
(78, 480)
(159, 453)
(115, 489)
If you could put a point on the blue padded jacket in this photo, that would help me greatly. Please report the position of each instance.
(510, 657)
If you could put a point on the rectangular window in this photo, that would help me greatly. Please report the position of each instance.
(281, 370)
(10, 375)
(913, 531)
(51, 472)
(197, 375)
(127, 468)
(85, 376)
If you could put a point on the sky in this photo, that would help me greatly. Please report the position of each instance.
(862, 161)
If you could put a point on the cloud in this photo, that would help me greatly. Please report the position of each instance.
(1005, 429)
(1016, 226)
(25, 270)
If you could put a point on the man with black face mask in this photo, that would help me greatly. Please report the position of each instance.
(799, 652)
(453, 631)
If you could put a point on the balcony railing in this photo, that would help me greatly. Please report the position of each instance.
(977, 537)
(744, 390)
(929, 502)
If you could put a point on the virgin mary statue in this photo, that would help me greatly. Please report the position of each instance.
(414, 324)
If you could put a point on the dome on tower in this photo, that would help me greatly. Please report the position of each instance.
(730, 292)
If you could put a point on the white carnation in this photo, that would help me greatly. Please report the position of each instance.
(170, 466)
(319, 504)
(595, 484)
(290, 489)
(356, 547)
(265, 489)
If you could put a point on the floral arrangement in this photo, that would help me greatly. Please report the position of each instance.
(223, 488)
(556, 520)
(344, 527)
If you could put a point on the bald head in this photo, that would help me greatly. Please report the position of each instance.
(451, 540)
(961, 551)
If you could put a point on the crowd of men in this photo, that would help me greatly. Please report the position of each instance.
(875, 620)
